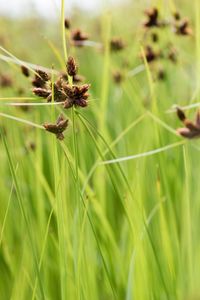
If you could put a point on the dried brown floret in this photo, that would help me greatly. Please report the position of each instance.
(76, 95)
(25, 71)
(183, 28)
(71, 66)
(40, 92)
(177, 15)
(150, 54)
(118, 77)
(43, 75)
(58, 94)
(58, 128)
(40, 79)
(78, 37)
(154, 37)
(67, 23)
(152, 17)
(117, 44)
(161, 74)
(191, 129)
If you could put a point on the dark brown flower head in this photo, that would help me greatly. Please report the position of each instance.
(152, 18)
(25, 71)
(150, 54)
(71, 66)
(191, 129)
(177, 15)
(183, 28)
(40, 92)
(161, 75)
(58, 128)
(67, 23)
(58, 93)
(5, 81)
(78, 37)
(154, 37)
(43, 75)
(40, 79)
(76, 95)
(118, 77)
(117, 44)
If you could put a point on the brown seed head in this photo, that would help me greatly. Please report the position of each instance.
(25, 71)
(183, 28)
(180, 114)
(118, 77)
(117, 44)
(58, 128)
(78, 37)
(191, 129)
(176, 15)
(67, 23)
(152, 17)
(150, 54)
(154, 37)
(76, 95)
(71, 66)
(40, 92)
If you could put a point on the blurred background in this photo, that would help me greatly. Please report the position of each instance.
(50, 8)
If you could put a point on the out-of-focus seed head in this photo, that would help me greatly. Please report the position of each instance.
(180, 114)
(67, 23)
(150, 54)
(154, 37)
(191, 129)
(118, 77)
(161, 75)
(176, 15)
(183, 28)
(78, 37)
(5, 81)
(117, 44)
(25, 71)
(152, 17)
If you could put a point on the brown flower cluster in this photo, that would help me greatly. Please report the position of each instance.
(61, 91)
(152, 18)
(78, 37)
(191, 129)
(182, 27)
(117, 44)
(58, 128)
(153, 25)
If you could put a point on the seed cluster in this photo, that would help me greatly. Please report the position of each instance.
(153, 25)
(191, 129)
(58, 128)
(60, 91)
